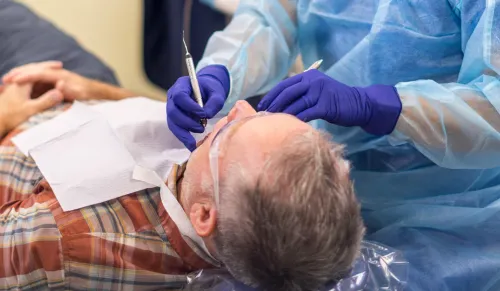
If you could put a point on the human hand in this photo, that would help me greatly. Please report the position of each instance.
(184, 114)
(16, 104)
(48, 75)
(314, 95)
(8, 78)
(39, 88)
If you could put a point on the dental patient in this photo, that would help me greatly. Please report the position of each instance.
(281, 213)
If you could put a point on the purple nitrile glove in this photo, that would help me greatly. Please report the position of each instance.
(313, 95)
(184, 114)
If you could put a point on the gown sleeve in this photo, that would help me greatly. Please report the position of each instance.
(456, 125)
(258, 47)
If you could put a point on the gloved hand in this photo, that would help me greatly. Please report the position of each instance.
(184, 114)
(313, 95)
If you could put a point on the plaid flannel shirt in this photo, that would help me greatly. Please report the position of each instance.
(129, 243)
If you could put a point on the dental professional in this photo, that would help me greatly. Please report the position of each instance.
(410, 87)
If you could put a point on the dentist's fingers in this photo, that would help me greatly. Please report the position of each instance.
(183, 135)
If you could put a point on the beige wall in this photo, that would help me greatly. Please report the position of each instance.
(112, 29)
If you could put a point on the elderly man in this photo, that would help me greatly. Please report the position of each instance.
(286, 217)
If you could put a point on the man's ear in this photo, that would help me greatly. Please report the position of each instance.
(203, 216)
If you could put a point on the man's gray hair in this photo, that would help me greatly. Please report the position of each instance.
(299, 227)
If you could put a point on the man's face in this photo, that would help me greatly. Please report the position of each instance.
(246, 143)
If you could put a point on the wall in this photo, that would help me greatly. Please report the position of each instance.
(111, 29)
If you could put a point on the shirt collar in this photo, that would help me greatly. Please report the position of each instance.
(173, 179)
(193, 255)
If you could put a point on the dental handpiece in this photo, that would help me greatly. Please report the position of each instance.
(193, 79)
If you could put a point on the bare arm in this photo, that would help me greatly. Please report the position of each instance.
(103, 91)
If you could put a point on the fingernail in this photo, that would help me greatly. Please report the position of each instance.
(60, 84)
(259, 107)
(57, 96)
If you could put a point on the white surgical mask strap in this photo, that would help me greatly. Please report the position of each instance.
(173, 207)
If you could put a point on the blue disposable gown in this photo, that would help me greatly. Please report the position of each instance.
(432, 187)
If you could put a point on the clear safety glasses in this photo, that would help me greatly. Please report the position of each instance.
(224, 134)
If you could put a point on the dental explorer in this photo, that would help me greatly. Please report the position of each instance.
(193, 79)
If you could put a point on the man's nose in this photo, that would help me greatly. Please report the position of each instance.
(240, 110)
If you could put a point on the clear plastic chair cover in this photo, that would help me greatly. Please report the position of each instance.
(377, 268)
